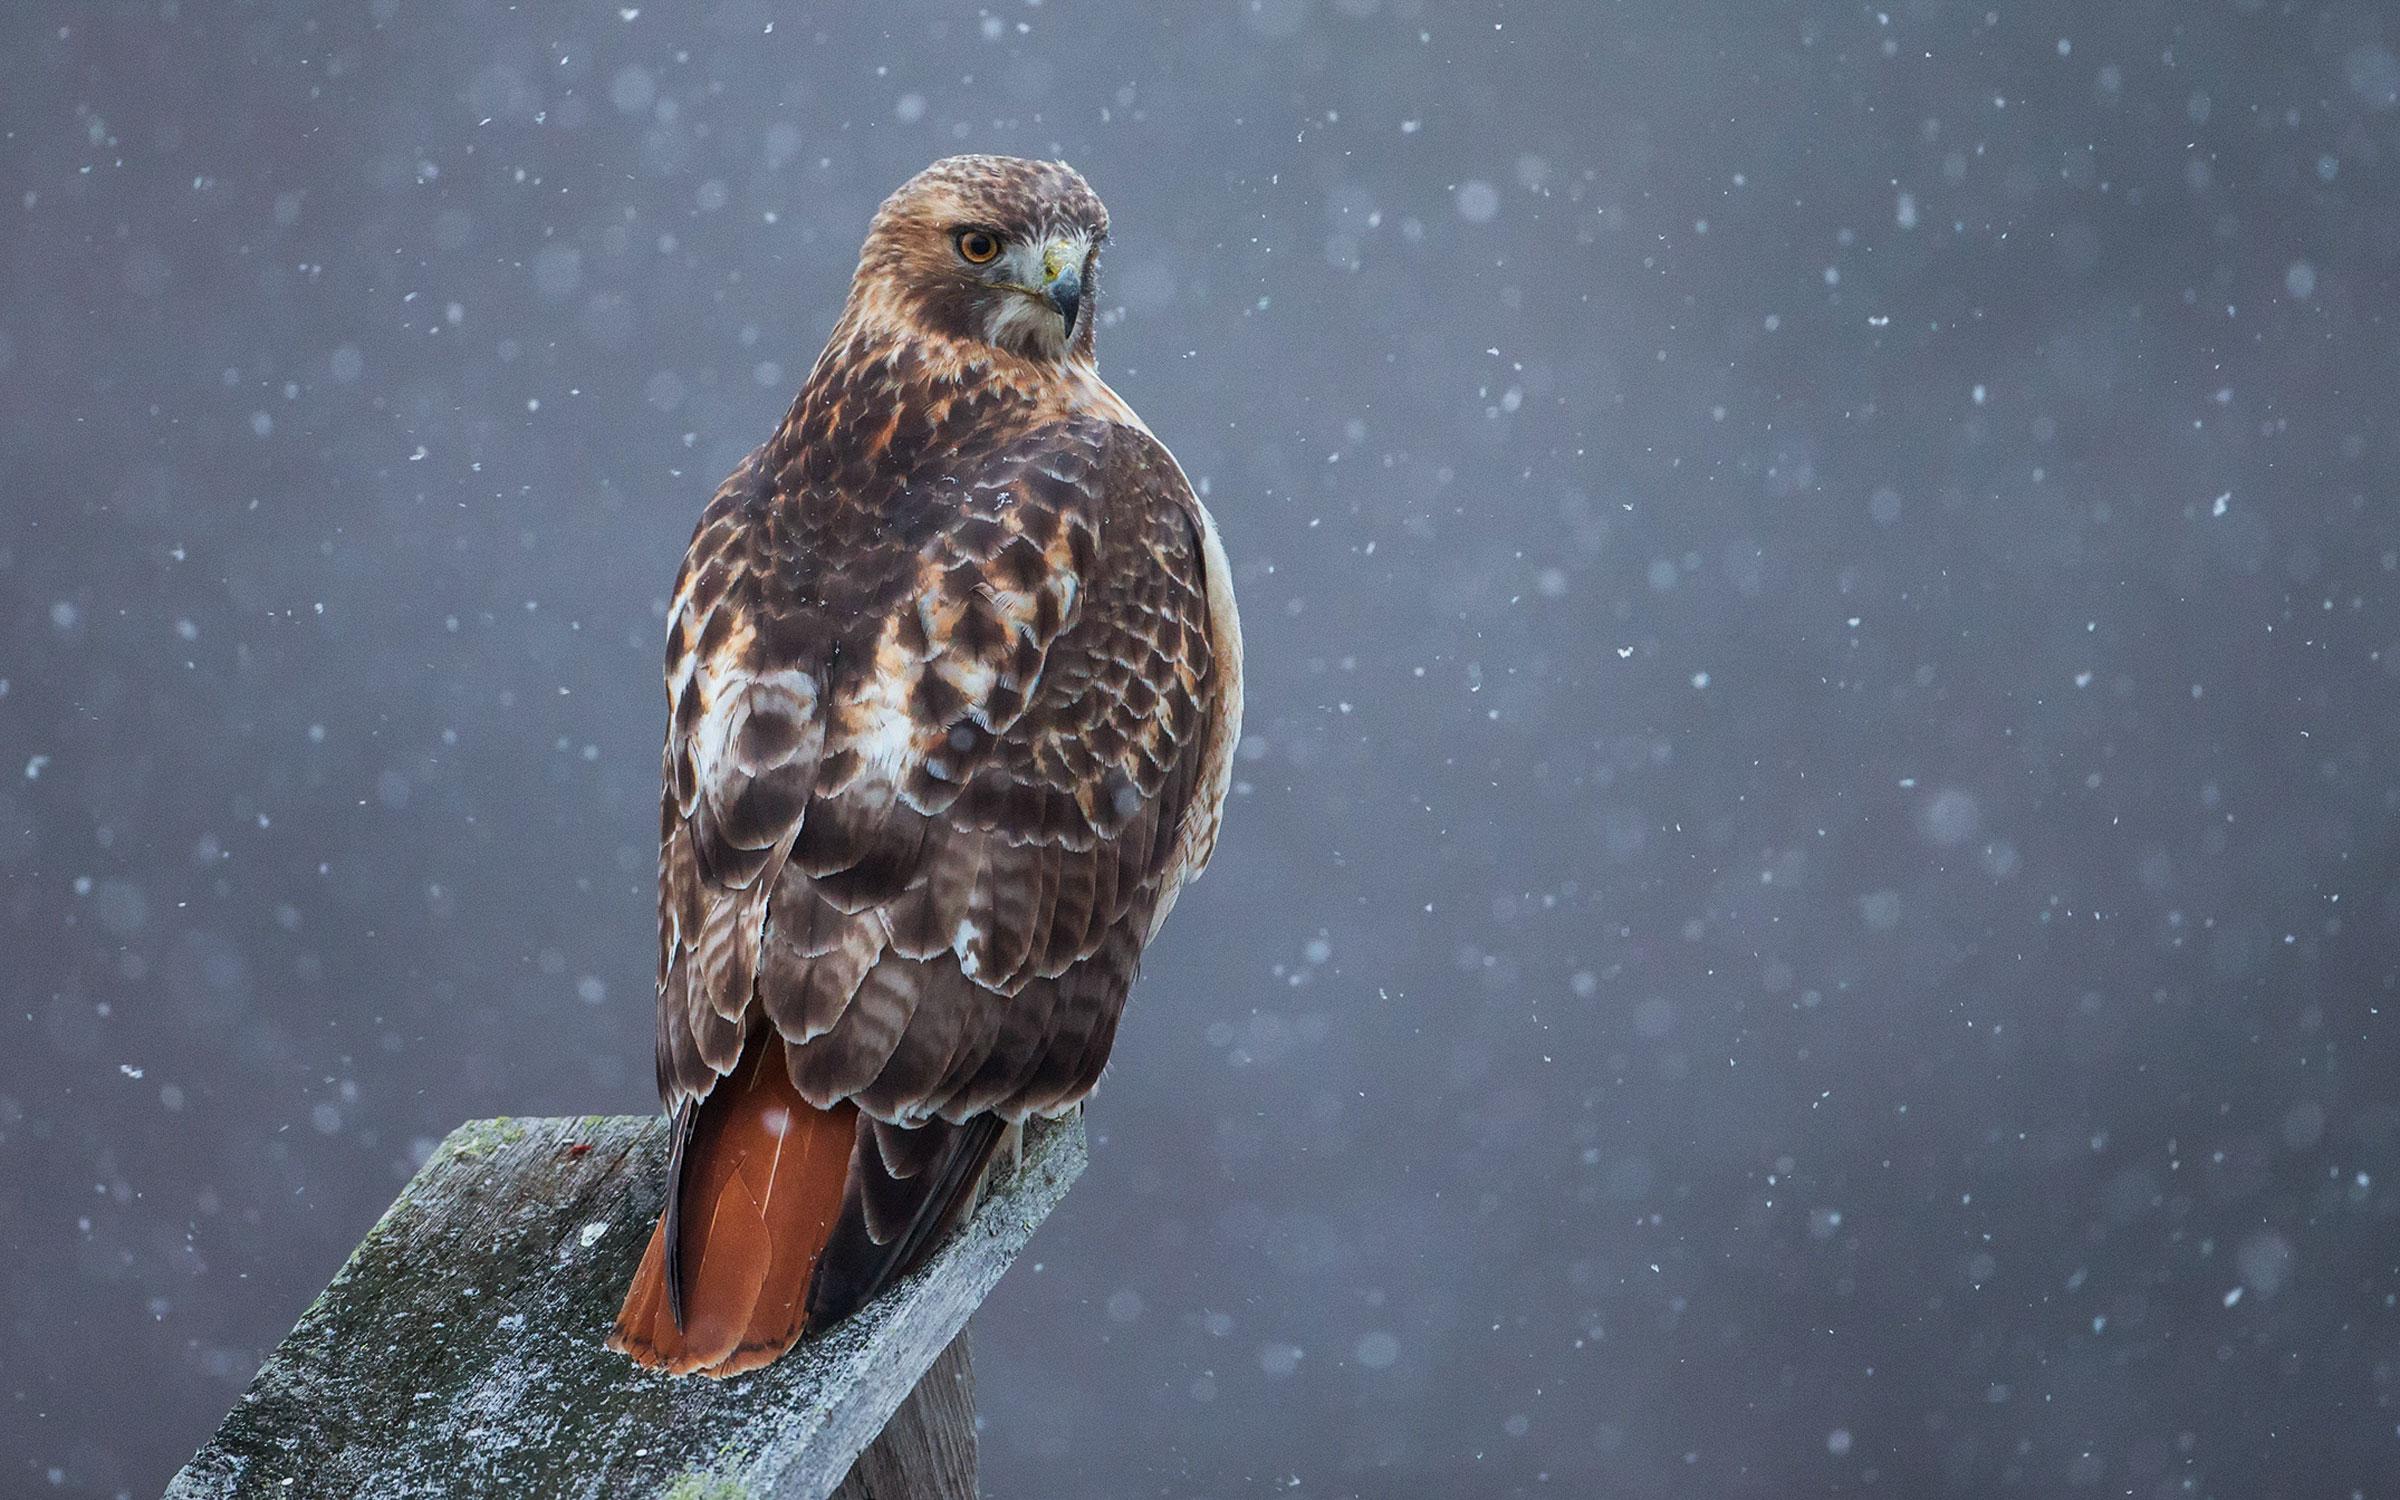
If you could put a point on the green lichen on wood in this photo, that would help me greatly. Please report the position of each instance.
(460, 1350)
(481, 1137)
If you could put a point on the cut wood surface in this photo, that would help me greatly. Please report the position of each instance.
(460, 1353)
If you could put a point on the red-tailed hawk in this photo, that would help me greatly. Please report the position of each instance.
(954, 679)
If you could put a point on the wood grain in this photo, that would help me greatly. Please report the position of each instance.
(927, 1450)
(459, 1352)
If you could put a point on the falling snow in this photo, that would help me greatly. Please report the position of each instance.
(1806, 905)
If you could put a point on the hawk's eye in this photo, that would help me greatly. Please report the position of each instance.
(978, 247)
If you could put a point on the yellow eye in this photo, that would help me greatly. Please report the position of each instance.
(978, 247)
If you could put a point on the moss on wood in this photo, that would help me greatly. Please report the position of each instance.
(460, 1350)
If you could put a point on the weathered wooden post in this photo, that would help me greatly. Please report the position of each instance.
(459, 1352)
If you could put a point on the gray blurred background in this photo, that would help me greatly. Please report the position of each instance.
(1809, 903)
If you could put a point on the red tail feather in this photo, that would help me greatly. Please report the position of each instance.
(756, 1200)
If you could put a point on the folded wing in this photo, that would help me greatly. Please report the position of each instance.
(931, 774)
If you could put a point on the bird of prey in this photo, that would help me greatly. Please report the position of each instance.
(953, 682)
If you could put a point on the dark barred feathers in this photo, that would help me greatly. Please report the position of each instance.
(953, 679)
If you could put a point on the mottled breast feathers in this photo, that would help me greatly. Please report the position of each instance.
(948, 727)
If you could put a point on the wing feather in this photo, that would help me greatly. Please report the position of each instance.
(937, 759)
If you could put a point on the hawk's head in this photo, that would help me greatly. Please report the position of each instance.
(987, 249)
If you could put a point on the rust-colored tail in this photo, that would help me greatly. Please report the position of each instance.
(752, 1199)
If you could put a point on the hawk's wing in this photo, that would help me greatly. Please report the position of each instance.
(937, 758)
(920, 800)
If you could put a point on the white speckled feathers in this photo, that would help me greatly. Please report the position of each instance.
(903, 819)
(953, 679)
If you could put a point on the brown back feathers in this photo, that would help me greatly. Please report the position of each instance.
(953, 679)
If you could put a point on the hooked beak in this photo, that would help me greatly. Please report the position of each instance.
(1062, 282)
